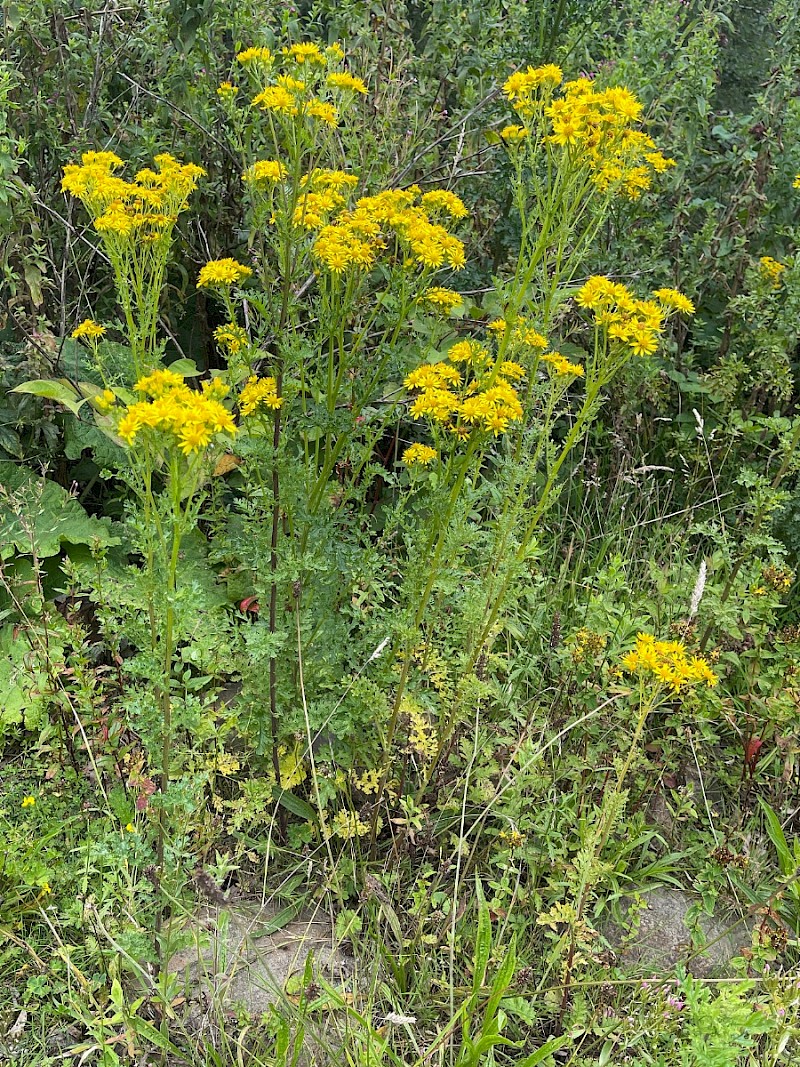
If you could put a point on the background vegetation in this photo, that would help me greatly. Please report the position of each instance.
(469, 785)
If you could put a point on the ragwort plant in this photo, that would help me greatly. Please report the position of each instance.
(358, 396)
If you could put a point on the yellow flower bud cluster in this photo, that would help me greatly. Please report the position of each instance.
(187, 418)
(231, 337)
(629, 322)
(668, 663)
(482, 396)
(142, 211)
(441, 300)
(595, 127)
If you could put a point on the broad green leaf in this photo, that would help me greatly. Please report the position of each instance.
(186, 367)
(38, 516)
(59, 390)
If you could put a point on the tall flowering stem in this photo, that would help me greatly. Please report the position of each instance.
(664, 671)
(170, 431)
(135, 221)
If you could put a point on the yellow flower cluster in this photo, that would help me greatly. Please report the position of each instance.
(307, 52)
(346, 82)
(88, 328)
(288, 97)
(259, 392)
(231, 337)
(587, 644)
(796, 182)
(779, 578)
(561, 365)
(628, 321)
(668, 663)
(226, 90)
(441, 299)
(483, 396)
(264, 170)
(220, 273)
(393, 220)
(674, 300)
(596, 127)
(255, 55)
(313, 209)
(522, 335)
(771, 269)
(189, 418)
(419, 455)
(514, 135)
(145, 209)
(523, 84)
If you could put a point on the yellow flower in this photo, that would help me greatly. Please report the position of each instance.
(469, 352)
(264, 170)
(227, 91)
(276, 98)
(231, 337)
(222, 272)
(444, 200)
(88, 328)
(772, 270)
(335, 51)
(514, 135)
(561, 365)
(130, 828)
(251, 55)
(28, 802)
(105, 400)
(444, 300)
(668, 663)
(796, 182)
(419, 455)
(158, 383)
(326, 113)
(259, 391)
(346, 82)
(306, 52)
(522, 84)
(673, 298)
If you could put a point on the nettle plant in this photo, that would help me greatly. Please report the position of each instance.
(383, 464)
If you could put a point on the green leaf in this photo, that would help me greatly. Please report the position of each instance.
(547, 1049)
(53, 389)
(483, 939)
(37, 517)
(294, 804)
(778, 838)
(186, 367)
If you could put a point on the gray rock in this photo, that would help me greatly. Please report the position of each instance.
(657, 937)
(233, 955)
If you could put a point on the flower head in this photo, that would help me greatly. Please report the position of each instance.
(259, 392)
(346, 82)
(221, 273)
(419, 455)
(88, 328)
